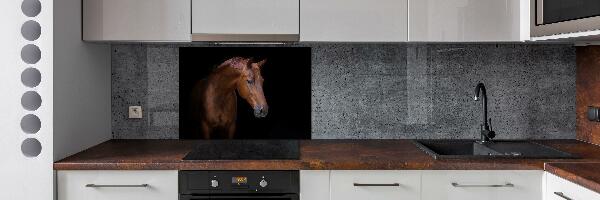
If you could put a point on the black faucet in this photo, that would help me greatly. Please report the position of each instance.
(487, 134)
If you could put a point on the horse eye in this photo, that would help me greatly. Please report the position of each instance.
(250, 82)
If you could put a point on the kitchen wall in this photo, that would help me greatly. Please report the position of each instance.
(381, 91)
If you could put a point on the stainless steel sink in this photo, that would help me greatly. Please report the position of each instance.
(469, 149)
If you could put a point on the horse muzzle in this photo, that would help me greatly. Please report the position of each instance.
(261, 112)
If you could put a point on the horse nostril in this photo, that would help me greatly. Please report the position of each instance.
(260, 111)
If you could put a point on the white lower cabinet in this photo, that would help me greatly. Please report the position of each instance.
(375, 185)
(482, 185)
(117, 185)
(560, 189)
(341, 185)
(314, 184)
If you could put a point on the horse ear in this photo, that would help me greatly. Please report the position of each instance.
(261, 63)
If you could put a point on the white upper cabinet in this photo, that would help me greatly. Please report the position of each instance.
(354, 20)
(245, 20)
(468, 20)
(307, 20)
(136, 20)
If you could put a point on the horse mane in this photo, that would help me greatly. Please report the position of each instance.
(235, 62)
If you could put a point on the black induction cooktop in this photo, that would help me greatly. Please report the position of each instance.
(245, 150)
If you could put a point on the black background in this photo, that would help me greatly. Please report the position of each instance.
(287, 88)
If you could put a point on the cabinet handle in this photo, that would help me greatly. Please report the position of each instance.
(376, 184)
(562, 195)
(115, 186)
(467, 186)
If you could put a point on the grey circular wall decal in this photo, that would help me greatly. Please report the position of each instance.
(31, 100)
(31, 30)
(31, 8)
(30, 124)
(31, 54)
(31, 77)
(31, 147)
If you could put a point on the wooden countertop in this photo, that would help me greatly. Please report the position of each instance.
(584, 174)
(315, 155)
(331, 155)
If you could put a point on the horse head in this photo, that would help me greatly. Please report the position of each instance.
(250, 87)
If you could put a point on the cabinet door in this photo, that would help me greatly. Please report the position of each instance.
(314, 185)
(482, 185)
(117, 185)
(136, 20)
(220, 18)
(354, 20)
(375, 185)
(560, 189)
(468, 21)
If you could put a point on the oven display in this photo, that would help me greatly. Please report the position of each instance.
(239, 180)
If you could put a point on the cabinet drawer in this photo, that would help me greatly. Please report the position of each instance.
(482, 185)
(117, 185)
(375, 185)
(560, 189)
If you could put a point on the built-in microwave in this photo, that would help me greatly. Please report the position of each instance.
(552, 17)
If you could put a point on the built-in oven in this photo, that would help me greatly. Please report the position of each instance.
(241, 197)
(552, 17)
(239, 185)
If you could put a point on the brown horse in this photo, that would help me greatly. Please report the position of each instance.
(214, 100)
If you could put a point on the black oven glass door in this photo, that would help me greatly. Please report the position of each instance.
(241, 197)
(554, 11)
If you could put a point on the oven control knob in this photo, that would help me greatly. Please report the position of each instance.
(214, 183)
(263, 183)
